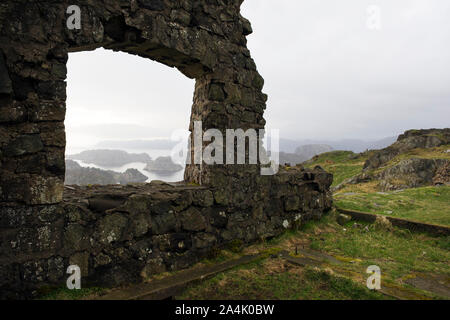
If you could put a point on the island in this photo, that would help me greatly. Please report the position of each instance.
(163, 165)
(78, 175)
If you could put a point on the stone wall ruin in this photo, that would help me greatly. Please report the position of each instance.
(119, 234)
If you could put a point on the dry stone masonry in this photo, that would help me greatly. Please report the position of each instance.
(119, 234)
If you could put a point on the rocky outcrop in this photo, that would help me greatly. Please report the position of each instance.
(119, 234)
(109, 158)
(163, 165)
(397, 167)
(410, 140)
(78, 175)
(413, 173)
(408, 173)
(442, 174)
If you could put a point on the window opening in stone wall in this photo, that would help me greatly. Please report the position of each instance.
(121, 112)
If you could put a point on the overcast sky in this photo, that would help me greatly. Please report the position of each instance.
(328, 75)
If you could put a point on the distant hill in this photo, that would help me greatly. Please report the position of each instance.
(354, 145)
(78, 175)
(109, 158)
(302, 154)
(286, 145)
(163, 165)
(310, 150)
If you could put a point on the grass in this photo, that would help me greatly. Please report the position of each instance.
(342, 164)
(66, 294)
(283, 282)
(426, 204)
(399, 254)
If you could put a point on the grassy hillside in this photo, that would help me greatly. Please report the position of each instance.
(427, 204)
(346, 164)
(342, 164)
